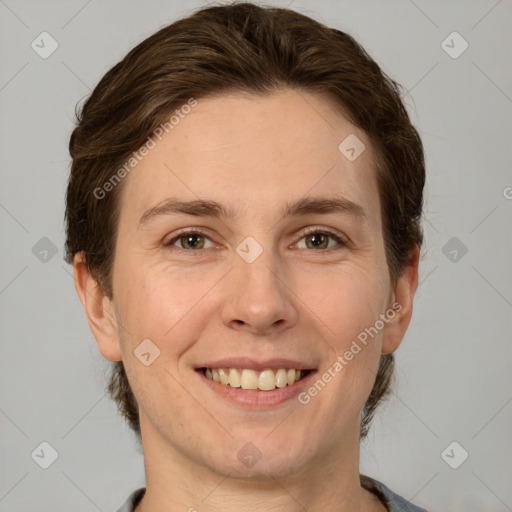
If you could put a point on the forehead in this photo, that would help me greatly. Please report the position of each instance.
(249, 152)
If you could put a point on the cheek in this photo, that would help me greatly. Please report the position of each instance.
(347, 309)
(158, 392)
(344, 302)
(165, 305)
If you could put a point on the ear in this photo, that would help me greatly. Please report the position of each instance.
(401, 303)
(99, 309)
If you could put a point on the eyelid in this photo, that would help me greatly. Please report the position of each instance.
(184, 232)
(339, 238)
(342, 240)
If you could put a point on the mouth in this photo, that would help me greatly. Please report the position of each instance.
(248, 379)
(256, 384)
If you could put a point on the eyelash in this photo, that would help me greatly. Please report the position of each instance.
(309, 231)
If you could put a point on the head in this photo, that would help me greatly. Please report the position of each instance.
(238, 80)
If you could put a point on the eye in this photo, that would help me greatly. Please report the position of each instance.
(190, 240)
(319, 239)
(315, 238)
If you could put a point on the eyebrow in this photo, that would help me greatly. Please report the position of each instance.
(209, 208)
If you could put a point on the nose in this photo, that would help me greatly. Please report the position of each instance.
(258, 297)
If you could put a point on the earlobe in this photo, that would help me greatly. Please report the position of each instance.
(402, 305)
(98, 309)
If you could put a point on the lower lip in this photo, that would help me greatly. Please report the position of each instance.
(257, 399)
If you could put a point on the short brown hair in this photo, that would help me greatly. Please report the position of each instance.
(238, 47)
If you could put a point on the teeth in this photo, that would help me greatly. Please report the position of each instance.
(281, 378)
(224, 377)
(267, 380)
(245, 378)
(234, 378)
(249, 379)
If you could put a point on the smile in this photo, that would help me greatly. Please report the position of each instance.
(248, 379)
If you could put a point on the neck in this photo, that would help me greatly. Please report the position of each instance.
(175, 482)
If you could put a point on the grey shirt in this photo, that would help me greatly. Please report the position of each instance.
(392, 501)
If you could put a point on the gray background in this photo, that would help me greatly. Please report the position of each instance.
(453, 379)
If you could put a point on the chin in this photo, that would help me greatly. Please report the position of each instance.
(262, 459)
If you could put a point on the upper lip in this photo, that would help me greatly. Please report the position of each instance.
(256, 365)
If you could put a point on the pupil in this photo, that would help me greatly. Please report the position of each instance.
(317, 240)
(192, 240)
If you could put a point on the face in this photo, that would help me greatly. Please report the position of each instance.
(248, 240)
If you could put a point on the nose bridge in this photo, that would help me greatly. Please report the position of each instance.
(258, 298)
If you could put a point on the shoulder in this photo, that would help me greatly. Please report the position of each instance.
(133, 500)
(391, 500)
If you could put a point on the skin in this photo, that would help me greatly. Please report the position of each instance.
(251, 154)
